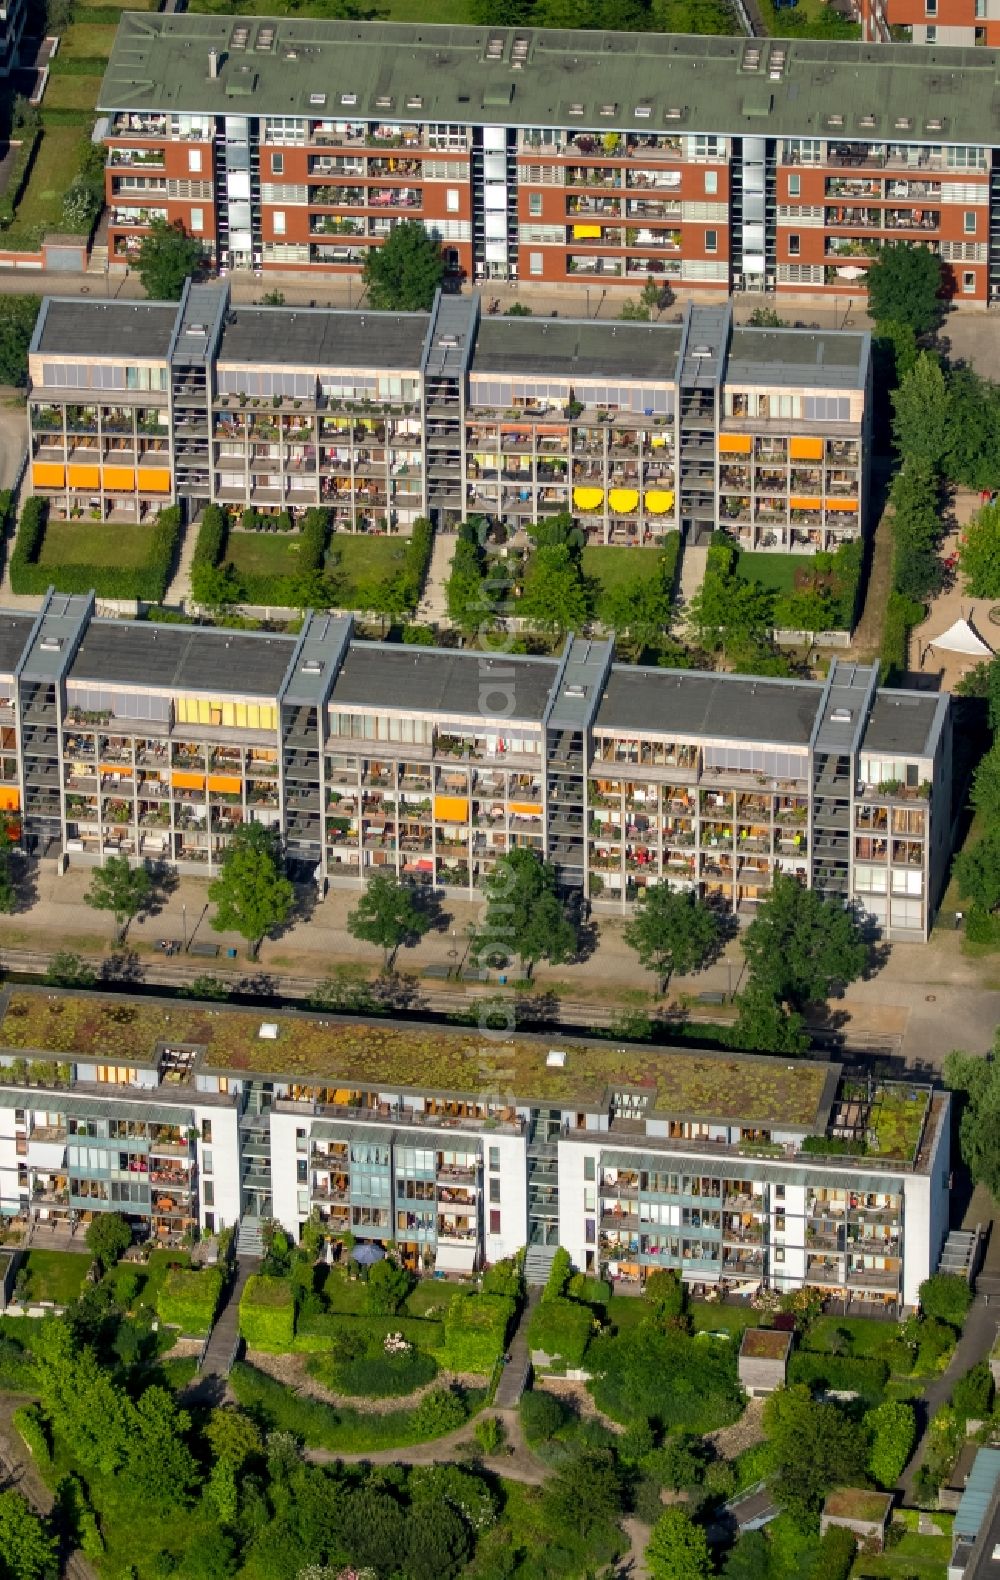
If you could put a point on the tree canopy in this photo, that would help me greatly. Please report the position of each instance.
(903, 284)
(167, 257)
(108, 1237)
(555, 597)
(672, 932)
(390, 913)
(403, 274)
(811, 1447)
(120, 888)
(921, 415)
(524, 914)
(977, 870)
(979, 553)
(28, 1551)
(251, 895)
(800, 945)
(678, 1548)
(17, 325)
(977, 1081)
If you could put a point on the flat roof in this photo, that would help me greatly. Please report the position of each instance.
(391, 1055)
(572, 348)
(14, 632)
(828, 360)
(181, 658)
(69, 327)
(902, 721)
(318, 338)
(691, 703)
(651, 81)
(378, 675)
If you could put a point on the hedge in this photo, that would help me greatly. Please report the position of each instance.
(17, 179)
(559, 1275)
(475, 1332)
(30, 1424)
(864, 1375)
(376, 1376)
(147, 583)
(561, 1328)
(901, 615)
(188, 1299)
(591, 1291)
(320, 1331)
(267, 1313)
(835, 1554)
(213, 534)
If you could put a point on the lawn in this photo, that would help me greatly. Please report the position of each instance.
(360, 558)
(70, 92)
(40, 209)
(708, 1318)
(926, 1556)
(776, 571)
(85, 41)
(95, 543)
(615, 568)
(263, 553)
(387, 11)
(868, 1335)
(55, 1275)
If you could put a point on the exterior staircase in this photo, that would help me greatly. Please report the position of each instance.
(250, 1238)
(538, 1263)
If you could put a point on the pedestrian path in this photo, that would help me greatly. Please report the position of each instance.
(515, 1374)
(693, 562)
(209, 1387)
(433, 606)
(179, 590)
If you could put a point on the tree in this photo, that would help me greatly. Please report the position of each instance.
(252, 896)
(800, 945)
(403, 274)
(764, 1025)
(978, 1083)
(979, 553)
(524, 915)
(977, 871)
(973, 456)
(122, 889)
(555, 595)
(672, 933)
(67, 970)
(234, 1437)
(585, 1493)
(812, 1447)
(108, 1238)
(920, 415)
(8, 888)
(27, 1549)
(678, 1548)
(437, 1542)
(167, 257)
(390, 913)
(892, 1429)
(946, 1296)
(17, 325)
(903, 284)
(985, 793)
(750, 1558)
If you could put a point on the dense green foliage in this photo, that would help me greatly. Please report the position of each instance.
(672, 932)
(17, 321)
(678, 1548)
(561, 1328)
(812, 1447)
(864, 1375)
(475, 1329)
(525, 915)
(188, 1299)
(405, 272)
(122, 889)
(167, 258)
(267, 1313)
(903, 285)
(390, 913)
(146, 582)
(666, 1377)
(892, 1428)
(977, 1081)
(108, 1237)
(946, 1296)
(251, 895)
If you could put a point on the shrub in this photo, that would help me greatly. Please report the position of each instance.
(972, 1395)
(504, 1278)
(188, 1299)
(901, 615)
(475, 1332)
(212, 537)
(267, 1313)
(376, 1375)
(388, 1286)
(947, 1297)
(668, 1377)
(20, 168)
(17, 1369)
(559, 1275)
(561, 1328)
(665, 1289)
(591, 1291)
(893, 1430)
(440, 1411)
(542, 1415)
(490, 1434)
(835, 1554)
(30, 1423)
(864, 1375)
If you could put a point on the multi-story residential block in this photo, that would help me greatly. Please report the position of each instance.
(741, 1172)
(381, 418)
(597, 158)
(949, 22)
(156, 741)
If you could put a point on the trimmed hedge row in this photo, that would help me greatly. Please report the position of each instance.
(18, 178)
(213, 535)
(475, 1332)
(561, 1328)
(319, 1332)
(188, 1299)
(147, 583)
(267, 1313)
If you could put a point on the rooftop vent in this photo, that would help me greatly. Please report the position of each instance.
(574, 691)
(213, 63)
(576, 109)
(608, 109)
(556, 1059)
(494, 47)
(51, 644)
(348, 99)
(312, 666)
(240, 37)
(415, 101)
(268, 1031)
(319, 99)
(643, 112)
(841, 716)
(385, 101)
(903, 123)
(265, 38)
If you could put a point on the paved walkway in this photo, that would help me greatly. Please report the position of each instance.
(693, 562)
(179, 590)
(210, 1386)
(518, 1464)
(514, 1378)
(433, 606)
(975, 1344)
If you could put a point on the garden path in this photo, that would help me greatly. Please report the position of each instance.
(518, 1464)
(977, 1340)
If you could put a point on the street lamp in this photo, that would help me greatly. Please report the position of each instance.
(184, 925)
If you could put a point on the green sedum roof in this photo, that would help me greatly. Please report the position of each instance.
(541, 77)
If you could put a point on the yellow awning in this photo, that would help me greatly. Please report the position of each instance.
(588, 498)
(623, 499)
(586, 232)
(659, 500)
(659, 440)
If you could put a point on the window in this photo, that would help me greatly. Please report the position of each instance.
(494, 1190)
(494, 1220)
(277, 164)
(930, 35)
(794, 245)
(711, 241)
(779, 1223)
(534, 203)
(210, 1223)
(711, 182)
(452, 200)
(534, 263)
(194, 161)
(206, 1130)
(969, 222)
(794, 186)
(208, 1192)
(968, 283)
(930, 7)
(494, 1160)
(590, 1230)
(278, 218)
(197, 220)
(206, 1160)
(779, 1253)
(779, 1193)
(589, 1169)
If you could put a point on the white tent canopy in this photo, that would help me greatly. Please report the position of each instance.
(962, 638)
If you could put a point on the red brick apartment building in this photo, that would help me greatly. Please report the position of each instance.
(593, 158)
